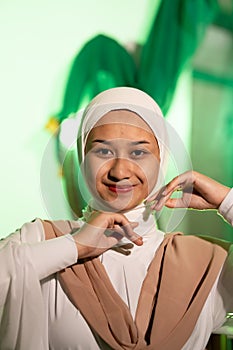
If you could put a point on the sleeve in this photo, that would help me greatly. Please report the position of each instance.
(223, 304)
(21, 301)
(225, 285)
(25, 259)
(226, 207)
(47, 256)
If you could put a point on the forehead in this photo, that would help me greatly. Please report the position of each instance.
(122, 124)
(125, 126)
(125, 118)
(116, 131)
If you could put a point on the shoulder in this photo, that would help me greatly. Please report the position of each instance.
(29, 232)
(64, 226)
(192, 247)
(34, 231)
(179, 238)
(196, 239)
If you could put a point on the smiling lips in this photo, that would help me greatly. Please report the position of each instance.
(121, 188)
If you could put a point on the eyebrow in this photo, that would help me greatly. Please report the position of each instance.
(100, 141)
(133, 143)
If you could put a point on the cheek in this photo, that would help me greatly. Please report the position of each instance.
(94, 170)
(150, 170)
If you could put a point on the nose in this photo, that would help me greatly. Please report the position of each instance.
(121, 169)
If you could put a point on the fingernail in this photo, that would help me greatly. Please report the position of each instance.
(138, 241)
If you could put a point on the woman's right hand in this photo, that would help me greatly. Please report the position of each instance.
(102, 231)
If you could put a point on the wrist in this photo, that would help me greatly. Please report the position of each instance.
(84, 251)
(224, 192)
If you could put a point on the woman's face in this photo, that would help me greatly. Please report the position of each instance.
(121, 160)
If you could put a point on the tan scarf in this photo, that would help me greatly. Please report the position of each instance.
(177, 284)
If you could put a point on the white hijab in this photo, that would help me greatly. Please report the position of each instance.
(137, 101)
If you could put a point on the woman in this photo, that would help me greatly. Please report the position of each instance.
(113, 280)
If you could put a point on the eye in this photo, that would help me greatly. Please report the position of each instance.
(138, 153)
(104, 152)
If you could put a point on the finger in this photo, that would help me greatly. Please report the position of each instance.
(173, 203)
(121, 250)
(127, 245)
(113, 234)
(124, 228)
(119, 229)
(179, 183)
(160, 202)
(132, 235)
(134, 224)
(120, 232)
(123, 222)
(138, 241)
(183, 202)
(178, 202)
(175, 184)
(170, 203)
(155, 196)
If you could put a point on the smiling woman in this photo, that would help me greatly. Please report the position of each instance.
(112, 280)
(122, 159)
(135, 137)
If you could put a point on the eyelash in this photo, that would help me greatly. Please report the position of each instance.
(104, 152)
(107, 153)
(142, 153)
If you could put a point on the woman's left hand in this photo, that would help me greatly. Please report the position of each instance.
(198, 192)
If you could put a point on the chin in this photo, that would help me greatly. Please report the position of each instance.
(117, 206)
(120, 206)
(117, 202)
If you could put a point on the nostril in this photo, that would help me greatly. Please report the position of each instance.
(116, 178)
(112, 178)
(120, 170)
